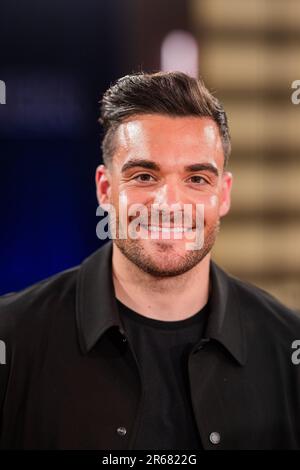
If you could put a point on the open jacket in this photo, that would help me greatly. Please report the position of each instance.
(71, 381)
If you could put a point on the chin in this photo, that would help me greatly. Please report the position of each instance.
(171, 253)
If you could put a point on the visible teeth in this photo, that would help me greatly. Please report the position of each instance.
(154, 228)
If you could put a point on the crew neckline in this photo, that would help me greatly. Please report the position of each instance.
(164, 324)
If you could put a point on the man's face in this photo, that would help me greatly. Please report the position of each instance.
(164, 163)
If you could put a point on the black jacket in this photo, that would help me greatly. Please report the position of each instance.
(71, 380)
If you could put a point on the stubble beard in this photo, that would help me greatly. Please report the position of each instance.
(167, 262)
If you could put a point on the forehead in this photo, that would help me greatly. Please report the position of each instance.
(168, 139)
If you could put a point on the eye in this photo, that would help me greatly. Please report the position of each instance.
(197, 179)
(144, 178)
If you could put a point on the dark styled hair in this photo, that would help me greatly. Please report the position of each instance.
(168, 93)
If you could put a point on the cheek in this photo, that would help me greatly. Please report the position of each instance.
(135, 195)
(126, 201)
(213, 201)
(211, 208)
(122, 200)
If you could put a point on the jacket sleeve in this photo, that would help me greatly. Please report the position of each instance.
(4, 373)
(5, 353)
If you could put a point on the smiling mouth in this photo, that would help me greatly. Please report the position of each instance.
(156, 228)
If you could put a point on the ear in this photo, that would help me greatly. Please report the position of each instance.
(225, 197)
(103, 187)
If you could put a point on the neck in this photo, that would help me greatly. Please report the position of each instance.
(168, 299)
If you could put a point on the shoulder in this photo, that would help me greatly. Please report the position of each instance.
(259, 306)
(30, 318)
(29, 308)
(53, 300)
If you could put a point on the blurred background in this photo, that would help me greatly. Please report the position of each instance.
(57, 58)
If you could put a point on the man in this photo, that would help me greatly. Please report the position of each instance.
(149, 344)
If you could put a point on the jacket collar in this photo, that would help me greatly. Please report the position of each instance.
(96, 307)
(225, 323)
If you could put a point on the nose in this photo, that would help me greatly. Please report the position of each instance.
(168, 195)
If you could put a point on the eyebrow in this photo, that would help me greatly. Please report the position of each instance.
(141, 163)
(202, 167)
(149, 165)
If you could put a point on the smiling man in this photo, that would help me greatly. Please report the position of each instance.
(149, 344)
(165, 161)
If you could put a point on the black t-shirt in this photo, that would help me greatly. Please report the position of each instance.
(162, 348)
